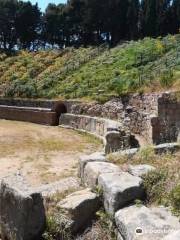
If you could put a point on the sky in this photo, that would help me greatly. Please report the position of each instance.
(43, 3)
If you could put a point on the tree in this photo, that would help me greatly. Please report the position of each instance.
(27, 24)
(8, 10)
(133, 18)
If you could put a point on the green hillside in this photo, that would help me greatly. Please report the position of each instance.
(93, 73)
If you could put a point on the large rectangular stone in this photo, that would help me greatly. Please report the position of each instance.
(22, 215)
(120, 189)
(136, 223)
(93, 170)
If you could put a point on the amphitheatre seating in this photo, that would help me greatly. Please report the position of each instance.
(35, 111)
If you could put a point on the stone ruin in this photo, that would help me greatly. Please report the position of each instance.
(122, 123)
(119, 122)
(153, 117)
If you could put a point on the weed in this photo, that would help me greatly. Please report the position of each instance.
(154, 184)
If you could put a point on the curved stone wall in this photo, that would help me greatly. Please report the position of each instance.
(112, 132)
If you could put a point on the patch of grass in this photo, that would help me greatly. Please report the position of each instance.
(58, 227)
(175, 199)
(162, 185)
(155, 185)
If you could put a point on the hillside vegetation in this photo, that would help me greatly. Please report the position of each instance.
(93, 73)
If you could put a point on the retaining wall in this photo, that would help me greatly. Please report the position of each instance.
(156, 116)
(35, 111)
(95, 125)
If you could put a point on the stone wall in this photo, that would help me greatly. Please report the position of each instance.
(98, 126)
(134, 112)
(114, 135)
(166, 126)
(156, 116)
(35, 111)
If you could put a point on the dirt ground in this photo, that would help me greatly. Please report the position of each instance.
(42, 154)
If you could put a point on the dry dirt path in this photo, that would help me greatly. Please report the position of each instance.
(42, 154)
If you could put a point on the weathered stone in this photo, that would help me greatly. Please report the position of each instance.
(175, 235)
(128, 152)
(119, 237)
(95, 157)
(94, 169)
(80, 207)
(22, 215)
(61, 186)
(120, 189)
(143, 223)
(167, 147)
(140, 170)
(116, 140)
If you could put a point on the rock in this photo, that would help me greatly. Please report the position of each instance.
(22, 215)
(140, 170)
(142, 223)
(95, 157)
(80, 207)
(128, 152)
(175, 235)
(116, 140)
(167, 147)
(94, 169)
(120, 189)
(61, 186)
(119, 237)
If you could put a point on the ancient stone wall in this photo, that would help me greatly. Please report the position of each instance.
(166, 126)
(156, 116)
(36, 111)
(133, 112)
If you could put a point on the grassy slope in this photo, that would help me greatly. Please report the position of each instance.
(146, 65)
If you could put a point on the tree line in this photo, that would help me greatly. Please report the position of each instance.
(84, 22)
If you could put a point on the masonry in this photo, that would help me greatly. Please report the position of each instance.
(156, 116)
(35, 111)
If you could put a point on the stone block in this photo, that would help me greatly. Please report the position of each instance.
(94, 169)
(22, 215)
(140, 170)
(166, 147)
(119, 189)
(95, 157)
(80, 207)
(175, 235)
(143, 223)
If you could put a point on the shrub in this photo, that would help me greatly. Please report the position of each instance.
(166, 78)
(175, 199)
(58, 227)
(146, 154)
(154, 184)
